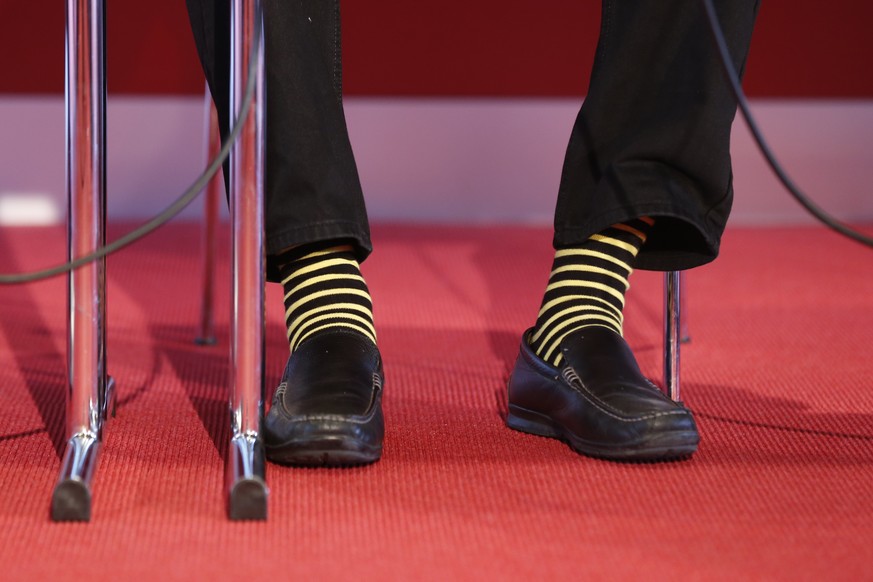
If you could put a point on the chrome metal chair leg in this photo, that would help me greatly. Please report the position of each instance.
(90, 393)
(206, 331)
(246, 484)
(684, 328)
(672, 325)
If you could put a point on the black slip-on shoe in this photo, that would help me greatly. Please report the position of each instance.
(327, 411)
(599, 402)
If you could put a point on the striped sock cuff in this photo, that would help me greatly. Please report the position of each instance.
(587, 286)
(325, 289)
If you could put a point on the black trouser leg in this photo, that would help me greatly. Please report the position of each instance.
(653, 135)
(313, 192)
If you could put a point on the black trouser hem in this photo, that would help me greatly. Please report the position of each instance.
(339, 231)
(679, 240)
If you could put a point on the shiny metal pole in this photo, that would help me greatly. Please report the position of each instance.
(247, 489)
(672, 339)
(684, 329)
(90, 394)
(206, 331)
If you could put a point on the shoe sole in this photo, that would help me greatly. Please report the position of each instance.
(325, 451)
(673, 445)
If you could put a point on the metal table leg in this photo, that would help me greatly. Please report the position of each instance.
(246, 485)
(90, 394)
(672, 326)
(206, 331)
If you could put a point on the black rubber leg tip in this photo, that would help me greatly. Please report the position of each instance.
(248, 500)
(71, 501)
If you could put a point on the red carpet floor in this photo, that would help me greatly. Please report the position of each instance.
(778, 372)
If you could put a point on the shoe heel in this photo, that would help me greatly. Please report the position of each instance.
(530, 422)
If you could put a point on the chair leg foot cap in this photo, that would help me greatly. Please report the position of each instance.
(71, 501)
(248, 500)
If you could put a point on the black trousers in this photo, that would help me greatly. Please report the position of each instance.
(313, 192)
(652, 137)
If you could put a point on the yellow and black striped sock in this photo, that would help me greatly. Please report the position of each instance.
(324, 289)
(587, 286)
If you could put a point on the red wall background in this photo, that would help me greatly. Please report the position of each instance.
(801, 48)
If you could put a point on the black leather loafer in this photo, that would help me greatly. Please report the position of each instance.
(328, 409)
(599, 403)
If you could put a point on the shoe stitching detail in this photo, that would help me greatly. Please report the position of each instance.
(355, 419)
(575, 383)
(570, 375)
